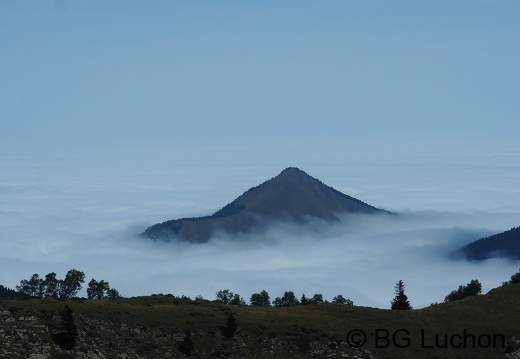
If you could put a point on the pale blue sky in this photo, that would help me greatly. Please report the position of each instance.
(129, 73)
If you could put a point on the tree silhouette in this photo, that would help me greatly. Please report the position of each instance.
(400, 301)
(72, 283)
(260, 299)
(237, 300)
(304, 300)
(225, 296)
(339, 299)
(97, 290)
(52, 285)
(113, 293)
(316, 299)
(288, 300)
(472, 288)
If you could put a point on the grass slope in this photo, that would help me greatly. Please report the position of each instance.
(151, 327)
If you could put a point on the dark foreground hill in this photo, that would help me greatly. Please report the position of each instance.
(158, 327)
(292, 195)
(505, 245)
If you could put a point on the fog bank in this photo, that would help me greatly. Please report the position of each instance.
(63, 214)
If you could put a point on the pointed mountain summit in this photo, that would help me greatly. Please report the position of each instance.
(292, 195)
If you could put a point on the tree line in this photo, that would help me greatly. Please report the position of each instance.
(66, 288)
(289, 299)
(399, 302)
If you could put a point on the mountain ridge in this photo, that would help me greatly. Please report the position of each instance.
(505, 245)
(292, 195)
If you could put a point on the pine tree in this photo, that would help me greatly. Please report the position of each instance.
(304, 300)
(400, 301)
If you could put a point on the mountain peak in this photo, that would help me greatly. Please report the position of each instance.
(292, 170)
(292, 195)
(294, 173)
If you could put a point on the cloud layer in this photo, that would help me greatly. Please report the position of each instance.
(64, 215)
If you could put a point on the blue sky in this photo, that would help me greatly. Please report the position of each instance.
(115, 115)
(86, 74)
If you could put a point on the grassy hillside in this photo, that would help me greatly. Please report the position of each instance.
(153, 327)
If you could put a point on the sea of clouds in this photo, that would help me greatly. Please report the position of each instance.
(59, 212)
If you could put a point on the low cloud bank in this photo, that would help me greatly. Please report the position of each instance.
(59, 213)
(362, 257)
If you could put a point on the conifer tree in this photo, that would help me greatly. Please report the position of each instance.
(400, 301)
(304, 300)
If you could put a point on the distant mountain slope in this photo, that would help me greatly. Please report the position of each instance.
(292, 195)
(505, 244)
